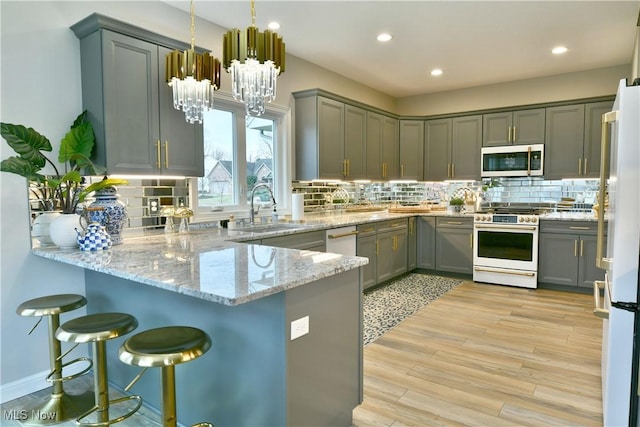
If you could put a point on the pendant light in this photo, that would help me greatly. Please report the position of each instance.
(254, 59)
(194, 77)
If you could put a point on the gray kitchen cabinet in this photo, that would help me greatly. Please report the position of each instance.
(454, 245)
(567, 254)
(411, 149)
(426, 244)
(465, 148)
(564, 142)
(382, 147)
(130, 105)
(392, 249)
(412, 241)
(330, 139)
(452, 148)
(310, 240)
(592, 137)
(437, 158)
(355, 128)
(366, 246)
(522, 127)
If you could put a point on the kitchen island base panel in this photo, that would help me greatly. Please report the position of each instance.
(253, 374)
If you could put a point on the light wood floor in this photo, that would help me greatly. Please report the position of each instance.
(487, 355)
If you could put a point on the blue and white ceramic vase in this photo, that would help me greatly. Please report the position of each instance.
(110, 212)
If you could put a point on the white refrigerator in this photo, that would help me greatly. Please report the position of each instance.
(620, 258)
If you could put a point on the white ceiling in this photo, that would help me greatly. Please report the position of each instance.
(475, 42)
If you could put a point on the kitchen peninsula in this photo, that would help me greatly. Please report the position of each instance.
(245, 297)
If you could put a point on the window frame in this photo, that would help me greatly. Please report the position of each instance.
(281, 116)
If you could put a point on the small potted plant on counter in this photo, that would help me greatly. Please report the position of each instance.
(456, 204)
(59, 193)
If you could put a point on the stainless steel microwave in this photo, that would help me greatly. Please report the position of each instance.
(512, 160)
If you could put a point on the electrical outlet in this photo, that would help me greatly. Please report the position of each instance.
(154, 206)
(299, 327)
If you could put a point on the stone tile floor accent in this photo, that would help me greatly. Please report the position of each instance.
(387, 306)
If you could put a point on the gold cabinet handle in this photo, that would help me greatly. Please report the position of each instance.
(453, 170)
(448, 170)
(601, 261)
(581, 248)
(454, 222)
(598, 309)
(580, 166)
(166, 154)
(158, 155)
(344, 167)
(402, 171)
(348, 167)
(575, 248)
(585, 165)
(575, 227)
(514, 135)
(509, 134)
(471, 240)
(411, 222)
(367, 230)
(377, 247)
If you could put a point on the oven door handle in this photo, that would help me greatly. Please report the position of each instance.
(510, 272)
(505, 226)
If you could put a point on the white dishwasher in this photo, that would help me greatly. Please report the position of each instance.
(341, 240)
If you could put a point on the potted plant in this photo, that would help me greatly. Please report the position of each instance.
(456, 203)
(60, 192)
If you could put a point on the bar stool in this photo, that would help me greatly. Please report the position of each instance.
(165, 348)
(97, 329)
(58, 406)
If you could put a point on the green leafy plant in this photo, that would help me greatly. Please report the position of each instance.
(456, 201)
(60, 191)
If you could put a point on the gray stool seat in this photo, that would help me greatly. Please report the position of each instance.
(59, 406)
(98, 329)
(165, 348)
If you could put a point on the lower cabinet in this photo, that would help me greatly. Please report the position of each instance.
(567, 253)
(454, 245)
(385, 244)
(412, 242)
(426, 244)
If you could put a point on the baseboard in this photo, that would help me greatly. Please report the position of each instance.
(24, 386)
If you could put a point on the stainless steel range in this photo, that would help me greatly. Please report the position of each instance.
(505, 249)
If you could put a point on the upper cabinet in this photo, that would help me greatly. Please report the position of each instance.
(453, 148)
(411, 149)
(573, 140)
(130, 105)
(335, 140)
(522, 127)
(382, 146)
(592, 137)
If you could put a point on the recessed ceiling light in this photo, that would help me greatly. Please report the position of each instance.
(384, 37)
(436, 72)
(273, 25)
(559, 50)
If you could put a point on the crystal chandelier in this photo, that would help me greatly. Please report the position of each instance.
(254, 59)
(193, 77)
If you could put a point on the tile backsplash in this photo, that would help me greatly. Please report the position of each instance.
(318, 194)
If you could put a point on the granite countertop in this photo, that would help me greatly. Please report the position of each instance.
(213, 264)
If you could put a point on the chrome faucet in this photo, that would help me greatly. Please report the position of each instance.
(253, 212)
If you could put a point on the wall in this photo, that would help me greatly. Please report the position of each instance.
(586, 84)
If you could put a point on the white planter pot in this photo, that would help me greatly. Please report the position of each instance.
(41, 225)
(63, 230)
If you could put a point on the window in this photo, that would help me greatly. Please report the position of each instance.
(241, 152)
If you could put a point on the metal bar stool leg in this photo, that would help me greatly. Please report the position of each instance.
(169, 418)
(101, 385)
